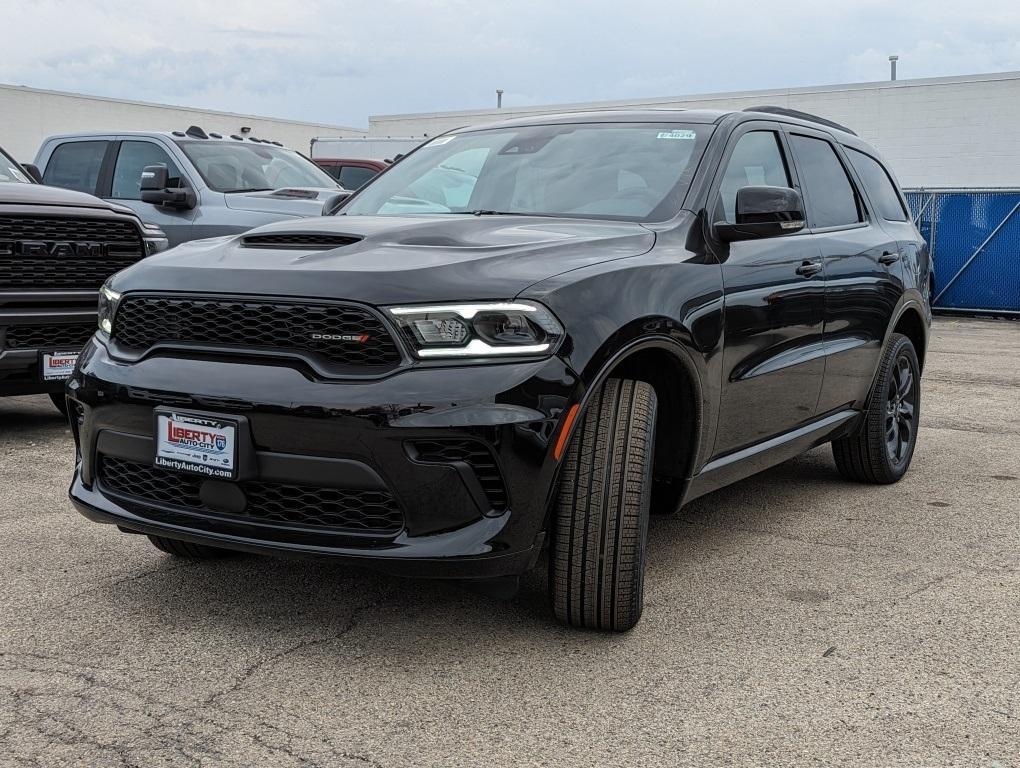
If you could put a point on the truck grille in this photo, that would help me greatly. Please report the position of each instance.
(43, 336)
(350, 337)
(44, 252)
(283, 504)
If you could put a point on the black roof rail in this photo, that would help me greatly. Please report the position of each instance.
(771, 110)
(196, 132)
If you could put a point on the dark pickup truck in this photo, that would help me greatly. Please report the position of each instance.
(57, 247)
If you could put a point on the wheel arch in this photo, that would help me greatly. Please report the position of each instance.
(910, 322)
(670, 368)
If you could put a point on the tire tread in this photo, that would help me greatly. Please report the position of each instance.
(600, 518)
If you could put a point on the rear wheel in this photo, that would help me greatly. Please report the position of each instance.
(881, 450)
(600, 521)
(187, 549)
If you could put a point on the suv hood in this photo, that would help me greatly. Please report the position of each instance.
(392, 259)
(295, 201)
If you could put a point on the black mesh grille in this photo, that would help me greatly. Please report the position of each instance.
(307, 242)
(336, 509)
(42, 336)
(354, 336)
(79, 253)
(474, 454)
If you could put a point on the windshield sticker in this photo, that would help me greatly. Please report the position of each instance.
(682, 135)
(440, 141)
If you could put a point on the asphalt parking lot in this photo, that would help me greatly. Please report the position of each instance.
(792, 619)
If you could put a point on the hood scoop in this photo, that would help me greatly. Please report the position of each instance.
(295, 194)
(304, 242)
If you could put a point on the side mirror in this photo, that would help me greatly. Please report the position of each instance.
(763, 212)
(33, 171)
(155, 177)
(334, 203)
(155, 189)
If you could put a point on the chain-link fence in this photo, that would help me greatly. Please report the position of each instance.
(974, 237)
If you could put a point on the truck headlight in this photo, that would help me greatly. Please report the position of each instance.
(108, 300)
(488, 329)
(154, 238)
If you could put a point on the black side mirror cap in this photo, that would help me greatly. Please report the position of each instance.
(33, 171)
(763, 212)
(154, 189)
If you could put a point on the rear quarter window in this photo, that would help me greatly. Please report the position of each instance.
(878, 184)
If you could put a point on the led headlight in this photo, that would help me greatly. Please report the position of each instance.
(107, 308)
(154, 238)
(492, 329)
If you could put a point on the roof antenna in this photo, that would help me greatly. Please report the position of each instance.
(892, 66)
(499, 98)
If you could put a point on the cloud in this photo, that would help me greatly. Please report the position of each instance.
(340, 61)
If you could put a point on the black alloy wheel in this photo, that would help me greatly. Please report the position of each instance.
(900, 411)
(880, 449)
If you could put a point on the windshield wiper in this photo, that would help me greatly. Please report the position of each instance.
(486, 212)
(253, 189)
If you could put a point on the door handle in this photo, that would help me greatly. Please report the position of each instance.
(889, 257)
(809, 268)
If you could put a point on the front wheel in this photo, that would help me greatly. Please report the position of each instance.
(600, 522)
(880, 451)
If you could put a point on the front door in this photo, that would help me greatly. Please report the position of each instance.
(774, 305)
(125, 188)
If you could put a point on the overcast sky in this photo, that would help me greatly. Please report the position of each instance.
(340, 61)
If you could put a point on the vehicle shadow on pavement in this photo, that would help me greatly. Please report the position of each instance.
(253, 597)
(24, 415)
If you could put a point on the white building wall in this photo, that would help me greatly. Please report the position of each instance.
(938, 132)
(29, 115)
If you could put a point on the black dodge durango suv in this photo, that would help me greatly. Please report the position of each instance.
(521, 338)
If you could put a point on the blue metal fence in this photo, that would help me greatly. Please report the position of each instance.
(974, 237)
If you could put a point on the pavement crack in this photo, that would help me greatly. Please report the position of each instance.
(254, 669)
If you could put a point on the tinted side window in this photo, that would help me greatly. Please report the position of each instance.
(133, 157)
(831, 199)
(332, 170)
(353, 176)
(757, 160)
(75, 165)
(878, 184)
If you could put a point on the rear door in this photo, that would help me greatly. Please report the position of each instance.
(863, 281)
(774, 304)
(131, 155)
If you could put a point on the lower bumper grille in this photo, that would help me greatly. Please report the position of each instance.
(42, 336)
(338, 510)
(471, 452)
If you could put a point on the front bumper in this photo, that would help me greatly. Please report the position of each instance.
(56, 327)
(459, 517)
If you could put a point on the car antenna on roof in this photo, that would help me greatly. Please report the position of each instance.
(196, 132)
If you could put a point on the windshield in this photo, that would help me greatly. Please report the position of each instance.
(251, 167)
(11, 171)
(627, 171)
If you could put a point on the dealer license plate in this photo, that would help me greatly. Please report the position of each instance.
(55, 366)
(189, 442)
